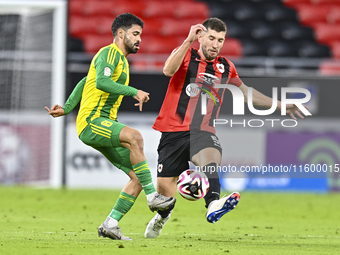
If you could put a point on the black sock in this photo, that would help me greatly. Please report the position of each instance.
(166, 212)
(211, 172)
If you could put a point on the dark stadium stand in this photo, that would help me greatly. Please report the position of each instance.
(268, 28)
(256, 28)
(324, 17)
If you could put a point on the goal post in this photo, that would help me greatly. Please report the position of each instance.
(33, 70)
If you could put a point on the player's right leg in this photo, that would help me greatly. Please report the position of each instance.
(132, 140)
(207, 155)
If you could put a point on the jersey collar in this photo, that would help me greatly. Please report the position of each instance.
(116, 47)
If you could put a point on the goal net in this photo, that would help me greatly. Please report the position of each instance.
(32, 71)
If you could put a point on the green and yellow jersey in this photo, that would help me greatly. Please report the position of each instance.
(102, 91)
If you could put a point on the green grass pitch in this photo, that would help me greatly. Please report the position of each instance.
(47, 221)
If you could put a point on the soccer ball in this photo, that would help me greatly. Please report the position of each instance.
(192, 185)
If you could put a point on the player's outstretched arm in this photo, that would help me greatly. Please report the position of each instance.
(56, 110)
(141, 97)
(75, 96)
(174, 61)
(261, 100)
(72, 101)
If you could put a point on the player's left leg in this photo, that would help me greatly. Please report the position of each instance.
(166, 186)
(208, 159)
(128, 195)
(207, 155)
(173, 157)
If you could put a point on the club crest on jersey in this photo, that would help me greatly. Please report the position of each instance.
(160, 168)
(220, 67)
(107, 71)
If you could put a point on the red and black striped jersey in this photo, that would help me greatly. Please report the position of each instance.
(190, 89)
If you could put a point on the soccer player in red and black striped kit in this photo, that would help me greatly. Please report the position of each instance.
(189, 135)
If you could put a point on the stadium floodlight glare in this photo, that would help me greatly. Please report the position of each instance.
(33, 70)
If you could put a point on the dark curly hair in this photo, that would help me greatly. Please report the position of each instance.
(125, 21)
(215, 24)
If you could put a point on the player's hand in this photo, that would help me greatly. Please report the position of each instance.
(141, 97)
(293, 110)
(195, 30)
(56, 111)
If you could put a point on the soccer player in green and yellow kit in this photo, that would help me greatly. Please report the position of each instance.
(100, 95)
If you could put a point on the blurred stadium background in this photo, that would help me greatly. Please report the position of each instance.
(46, 48)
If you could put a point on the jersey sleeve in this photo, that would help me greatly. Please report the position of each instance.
(233, 75)
(105, 65)
(75, 96)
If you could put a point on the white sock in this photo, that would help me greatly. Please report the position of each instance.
(111, 222)
(150, 196)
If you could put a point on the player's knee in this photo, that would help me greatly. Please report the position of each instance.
(137, 139)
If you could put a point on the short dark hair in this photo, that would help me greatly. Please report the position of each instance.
(215, 24)
(125, 21)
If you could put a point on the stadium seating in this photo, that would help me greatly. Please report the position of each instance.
(327, 33)
(274, 12)
(268, 28)
(93, 43)
(324, 17)
(334, 15)
(231, 47)
(329, 2)
(310, 14)
(329, 68)
(335, 46)
(292, 31)
(157, 44)
(79, 26)
(159, 9)
(184, 10)
(275, 28)
(167, 20)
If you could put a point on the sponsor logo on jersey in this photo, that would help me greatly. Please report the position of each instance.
(192, 90)
(107, 71)
(208, 78)
(210, 96)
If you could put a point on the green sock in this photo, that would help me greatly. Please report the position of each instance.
(144, 176)
(122, 206)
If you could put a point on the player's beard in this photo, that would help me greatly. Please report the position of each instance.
(206, 55)
(130, 46)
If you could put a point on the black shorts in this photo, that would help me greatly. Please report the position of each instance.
(175, 149)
